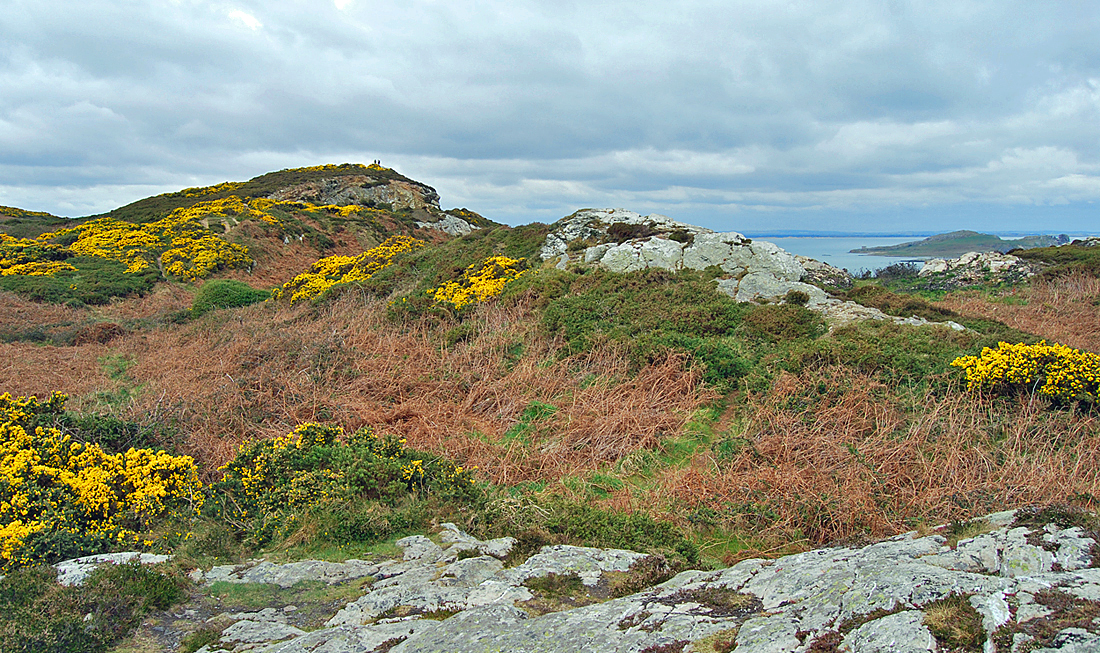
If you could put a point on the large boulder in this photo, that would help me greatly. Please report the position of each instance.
(624, 241)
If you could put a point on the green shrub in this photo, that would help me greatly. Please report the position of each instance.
(583, 523)
(1064, 260)
(598, 304)
(784, 322)
(896, 353)
(901, 305)
(62, 499)
(113, 434)
(225, 293)
(39, 615)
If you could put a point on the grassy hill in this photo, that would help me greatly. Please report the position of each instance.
(405, 377)
(957, 243)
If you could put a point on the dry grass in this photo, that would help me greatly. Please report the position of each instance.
(854, 460)
(28, 369)
(257, 372)
(1065, 310)
(164, 299)
(18, 312)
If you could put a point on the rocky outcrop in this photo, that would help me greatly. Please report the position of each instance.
(363, 190)
(749, 270)
(974, 268)
(624, 241)
(396, 194)
(820, 273)
(73, 572)
(1022, 584)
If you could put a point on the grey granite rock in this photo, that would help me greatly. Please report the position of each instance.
(418, 547)
(1073, 640)
(753, 270)
(74, 572)
(903, 632)
(247, 631)
(773, 606)
(289, 574)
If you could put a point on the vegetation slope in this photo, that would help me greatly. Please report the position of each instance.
(398, 377)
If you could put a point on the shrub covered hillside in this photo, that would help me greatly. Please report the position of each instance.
(375, 374)
(257, 227)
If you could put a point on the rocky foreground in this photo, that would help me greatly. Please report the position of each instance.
(1023, 585)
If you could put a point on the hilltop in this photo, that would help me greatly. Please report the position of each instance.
(325, 364)
(957, 243)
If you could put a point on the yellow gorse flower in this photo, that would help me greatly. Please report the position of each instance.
(1057, 371)
(479, 282)
(50, 484)
(29, 257)
(334, 270)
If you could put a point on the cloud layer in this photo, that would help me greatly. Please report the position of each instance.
(755, 116)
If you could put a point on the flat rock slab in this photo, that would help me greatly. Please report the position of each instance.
(74, 572)
(290, 574)
(866, 600)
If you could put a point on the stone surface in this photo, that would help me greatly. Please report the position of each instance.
(903, 632)
(868, 599)
(752, 270)
(361, 189)
(819, 272)
(287, 575)
(73, 572)
(449, 224)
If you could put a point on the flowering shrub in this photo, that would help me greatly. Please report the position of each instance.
(334, 270)
(1059, 372)
(179, 243)
(13, 212)
(62, 498)
(479, 282)
(272, 484)
(24, 256)
(226, 186)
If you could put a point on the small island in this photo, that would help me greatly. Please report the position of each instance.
(957, 243)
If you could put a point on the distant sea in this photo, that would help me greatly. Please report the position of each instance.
(834, 249)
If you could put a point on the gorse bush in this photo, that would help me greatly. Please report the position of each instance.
(179, 245)
(60, 498)
(333, 271)
(225, 293)
(479, 282)
(91, 281)
(1057, 371)
(271, 486)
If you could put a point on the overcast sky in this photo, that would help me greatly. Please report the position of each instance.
(754, 116)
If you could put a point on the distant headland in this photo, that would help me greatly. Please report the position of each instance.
(957, 243)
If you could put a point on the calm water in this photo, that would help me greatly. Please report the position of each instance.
(834, 249)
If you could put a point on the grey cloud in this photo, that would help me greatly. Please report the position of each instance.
(796, 113)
